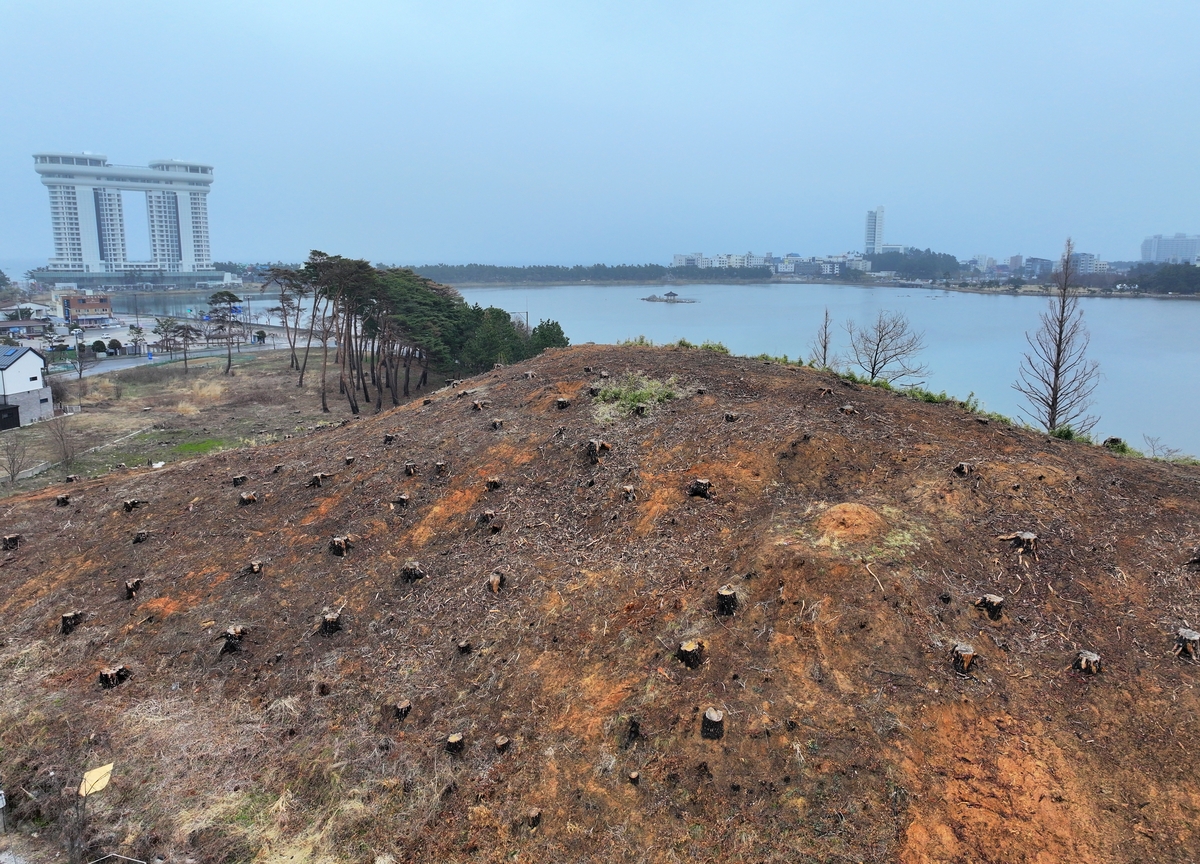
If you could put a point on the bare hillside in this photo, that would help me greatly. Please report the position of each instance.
(538, 571)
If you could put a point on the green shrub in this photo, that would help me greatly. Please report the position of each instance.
(684, 343)
(716, 347)
(1066, 433)
(640, 341)
(1121, 447)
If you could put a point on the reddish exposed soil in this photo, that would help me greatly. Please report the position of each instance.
(857, 555)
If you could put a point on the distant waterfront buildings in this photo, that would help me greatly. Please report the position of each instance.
(873, 243)
(1179, 249)
(697, 259)
(88, 219)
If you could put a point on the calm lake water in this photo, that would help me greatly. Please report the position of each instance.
(1148, 349)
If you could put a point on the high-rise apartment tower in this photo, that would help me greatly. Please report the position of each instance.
(87, 214)
(874, 242)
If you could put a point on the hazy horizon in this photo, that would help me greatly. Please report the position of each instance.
(536, 133)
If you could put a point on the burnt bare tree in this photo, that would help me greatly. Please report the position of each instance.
(1056, 377)
(887, 349)
(820, 350)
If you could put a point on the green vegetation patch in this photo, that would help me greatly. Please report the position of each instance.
(634, 393)
(199, 448)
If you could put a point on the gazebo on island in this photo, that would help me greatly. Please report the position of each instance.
(670, 295)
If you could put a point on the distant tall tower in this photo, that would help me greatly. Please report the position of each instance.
(874, 241)
(89, 223)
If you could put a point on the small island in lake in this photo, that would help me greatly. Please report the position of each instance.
(669, 297)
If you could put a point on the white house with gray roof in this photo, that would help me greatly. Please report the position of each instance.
(24, 394)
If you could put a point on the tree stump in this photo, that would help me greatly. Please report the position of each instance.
(479, 405)
(731, 417)
(690, 653)
(494, 483)
(824, 391)
(12, 542)
(410, 469)
(595, 448)
(628, 493)
(1087, 662)
(401, 500)
(141, 536)
(340, 545)
(70, 620)
(603, 374)
(727, 600)
(497, 423)
(455, 744)
(331, 622)
(1187, 642)
(411, 571)
(464, 646)
(633, 733)
(639, 410)
(393, 714)
(848, 409)
(232, 639)
(246, 498)
(700, 488)
(562, 403)
(485, 518)
(1025, 542)
(132, 504)
(254, 568)
(495, 582)
(73, 478)
(963, 657)
(240, 480)
(389, 438)
(634, 777)
(63, 500)
(317, 479)
(440, 468)
(529, 376)
(132, 587)
(502, 743)
(593, 391)
(350, 460)
(587, 370)
(712, 724)
(962, 469)
(993, 604)
(278, 469)
(534, 818)
(113, 676)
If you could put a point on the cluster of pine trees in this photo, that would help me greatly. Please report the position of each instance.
(383, 328)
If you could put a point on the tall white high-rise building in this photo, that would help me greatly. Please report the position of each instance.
(1181, 248)
(874, 242)
(87, 214)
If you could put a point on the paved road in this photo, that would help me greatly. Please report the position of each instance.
(116, 364)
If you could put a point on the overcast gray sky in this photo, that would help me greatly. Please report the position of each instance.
(565, 132)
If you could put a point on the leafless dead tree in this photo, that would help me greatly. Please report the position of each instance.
(1056, 377)
(14, 453)
(1158, 450)
(886, 350)
(62, 438)
(820, 350)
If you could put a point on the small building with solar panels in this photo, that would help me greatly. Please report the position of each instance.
(24, 394)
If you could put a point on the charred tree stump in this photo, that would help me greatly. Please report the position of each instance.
(992, 604)
(464, 646)
(113, 676)
(587, 370)
(603, 373)
(132, 504)
(11, 542)
(63, 500)
(634, 778)
(700, 489)
(401, 500)
(441, 467)
(317, 479)
(485, 518)
(824, 391)
(1187, 642)
(495, 582)
(73, 478)
(731, 417)
(712, 724)
(629, 493)
(411, 571)
(393, 714)
(389, 438)
(497, 423)
(232, 637)
(962, 469)
(254, 568)
(963, 657)
(410, 469)
(595, 448)
(593, 391)
(1087, 662)
(503, 742)
(690, 653)
(529, 376)
(278, 469)
(848, 409)
(349, 460)
(246, 498)
(455, 744)
(480, 404)
(70, 620)
(534, 818)
(141, 536)
(494, 483)
(1025, 542)
(340, 545)
(132, 587)
(240, 480)
(331, 622)
(727, 600)
(562, 403)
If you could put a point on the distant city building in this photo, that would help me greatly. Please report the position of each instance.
(1087, 264)
(893, 247)
(1036, 268)
(88, 218)
(697, 259)
(873, 243)
(1016, 264)
(1181, 248)
(83, 310)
